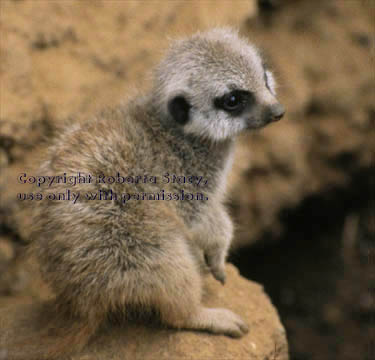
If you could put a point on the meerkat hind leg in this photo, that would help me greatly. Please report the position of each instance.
(219, 321)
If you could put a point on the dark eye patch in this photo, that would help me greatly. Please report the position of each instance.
(179, 108)
(234, 102)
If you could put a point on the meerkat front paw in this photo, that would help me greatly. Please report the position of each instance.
(216, 263)
(221, 321)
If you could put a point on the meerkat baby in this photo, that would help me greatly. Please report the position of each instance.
(104, 256)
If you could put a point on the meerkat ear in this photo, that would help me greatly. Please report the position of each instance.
(179, 108)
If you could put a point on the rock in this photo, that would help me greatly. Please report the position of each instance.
(7, 251)
(7, 255)
(266, 339)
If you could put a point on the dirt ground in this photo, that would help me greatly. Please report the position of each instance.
(301, 190)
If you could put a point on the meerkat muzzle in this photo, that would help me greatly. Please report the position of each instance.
(276, 112)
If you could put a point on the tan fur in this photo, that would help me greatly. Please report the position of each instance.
(101, 256)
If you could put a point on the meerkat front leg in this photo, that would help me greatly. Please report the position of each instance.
(214, 235)
(172, 284)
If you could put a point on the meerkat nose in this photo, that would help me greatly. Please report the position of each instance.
(276, 112)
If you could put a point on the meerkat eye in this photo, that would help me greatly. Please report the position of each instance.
(234, 102)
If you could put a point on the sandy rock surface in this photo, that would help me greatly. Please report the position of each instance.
(266, 339)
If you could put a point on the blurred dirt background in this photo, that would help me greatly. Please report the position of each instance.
(301, 191)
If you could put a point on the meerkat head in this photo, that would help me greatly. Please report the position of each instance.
(215, 85)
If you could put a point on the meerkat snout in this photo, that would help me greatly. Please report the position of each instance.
(273, 113)
(277, 111)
